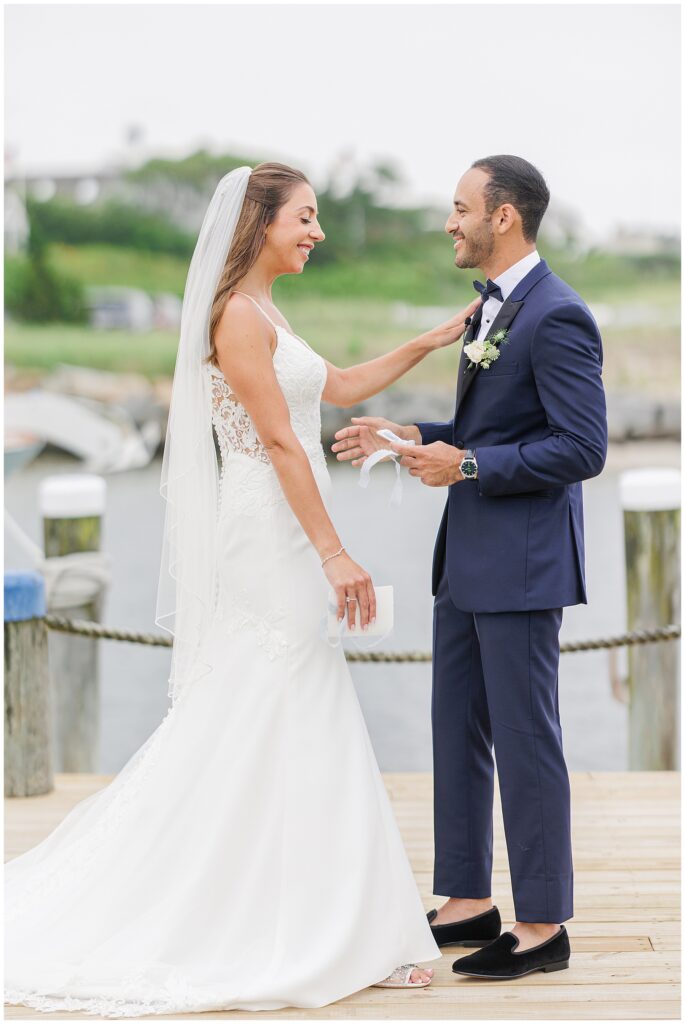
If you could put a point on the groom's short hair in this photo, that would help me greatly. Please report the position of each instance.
(513, 180)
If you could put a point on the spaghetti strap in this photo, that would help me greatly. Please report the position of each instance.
(262, 311)
(275, 326)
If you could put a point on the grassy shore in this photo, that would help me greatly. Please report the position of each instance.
(421, 273)
(644, 359)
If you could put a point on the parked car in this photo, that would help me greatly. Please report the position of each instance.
(120, 308)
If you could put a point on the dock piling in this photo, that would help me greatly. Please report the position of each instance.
(651, 514)
(72, 507)
(28, 755)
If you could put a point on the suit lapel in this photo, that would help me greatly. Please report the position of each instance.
(502, 321)
(469, 334)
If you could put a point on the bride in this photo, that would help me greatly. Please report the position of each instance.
(246, 856)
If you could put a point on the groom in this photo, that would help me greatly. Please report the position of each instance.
(529, 426)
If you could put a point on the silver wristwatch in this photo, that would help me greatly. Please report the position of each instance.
(469, 466)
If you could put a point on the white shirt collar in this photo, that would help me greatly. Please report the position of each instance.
(512, 275)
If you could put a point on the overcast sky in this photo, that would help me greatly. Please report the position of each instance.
(590, 94)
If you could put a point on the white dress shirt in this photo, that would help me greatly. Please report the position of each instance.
(507, 282)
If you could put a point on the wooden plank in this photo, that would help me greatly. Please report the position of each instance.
(485, 1009)
(466, 991)
(625, 934)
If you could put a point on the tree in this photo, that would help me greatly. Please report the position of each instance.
(37, 293)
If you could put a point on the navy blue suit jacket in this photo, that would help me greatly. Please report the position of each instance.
(513, 538)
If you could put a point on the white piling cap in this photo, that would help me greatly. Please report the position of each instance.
(650, 490)
(72, 495)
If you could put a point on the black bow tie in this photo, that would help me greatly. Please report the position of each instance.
(488, 289)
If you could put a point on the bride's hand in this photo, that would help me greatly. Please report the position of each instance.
(452, 330)
(349, 580)
(357, 442)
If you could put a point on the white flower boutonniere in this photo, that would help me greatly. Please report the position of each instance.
(484, 353)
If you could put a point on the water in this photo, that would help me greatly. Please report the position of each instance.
(395, 545)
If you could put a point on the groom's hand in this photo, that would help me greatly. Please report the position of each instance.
(436, 464)
(354, 444)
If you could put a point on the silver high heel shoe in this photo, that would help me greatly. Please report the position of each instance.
(400, 978)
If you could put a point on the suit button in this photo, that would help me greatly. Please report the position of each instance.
(460, 444)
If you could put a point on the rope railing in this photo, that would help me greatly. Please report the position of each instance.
(96, 631)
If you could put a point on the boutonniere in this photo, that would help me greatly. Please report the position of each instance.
(484, 353)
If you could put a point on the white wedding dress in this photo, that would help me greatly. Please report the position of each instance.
(246, 856)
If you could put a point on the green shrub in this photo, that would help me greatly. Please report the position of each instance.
(37, 293)
(113, 223)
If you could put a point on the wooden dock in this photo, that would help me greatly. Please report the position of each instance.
(625, 934)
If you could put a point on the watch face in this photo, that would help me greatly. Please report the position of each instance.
(469, 468)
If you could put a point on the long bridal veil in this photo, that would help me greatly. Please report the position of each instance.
(190, 473)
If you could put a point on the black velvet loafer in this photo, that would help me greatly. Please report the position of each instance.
(474, 931)
(499, 961)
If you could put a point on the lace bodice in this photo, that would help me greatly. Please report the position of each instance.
(301, 373)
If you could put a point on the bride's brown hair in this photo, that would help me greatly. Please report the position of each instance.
(268, 189)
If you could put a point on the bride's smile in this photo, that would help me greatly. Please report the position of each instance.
(293, 233)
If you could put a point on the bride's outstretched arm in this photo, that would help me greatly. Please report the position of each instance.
(243, 345)
(345, 387)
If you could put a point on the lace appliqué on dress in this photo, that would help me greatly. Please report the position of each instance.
(248, 488)
(176, 996)
(237, 612)
(234, 428)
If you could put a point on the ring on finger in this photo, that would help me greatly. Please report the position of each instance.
(348, 599)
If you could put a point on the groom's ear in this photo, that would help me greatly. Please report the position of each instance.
(506, 218)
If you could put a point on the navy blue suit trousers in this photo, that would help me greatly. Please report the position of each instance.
(495, 682)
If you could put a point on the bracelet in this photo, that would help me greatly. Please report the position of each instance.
(334, 555)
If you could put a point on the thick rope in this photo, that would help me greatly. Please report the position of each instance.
(96, 631)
